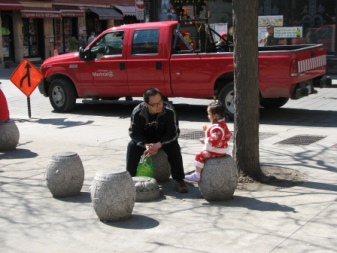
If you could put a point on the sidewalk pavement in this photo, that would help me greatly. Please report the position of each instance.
(296, 218)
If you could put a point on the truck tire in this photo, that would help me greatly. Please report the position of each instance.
(62, 95)
(273, 103)
(226, 97)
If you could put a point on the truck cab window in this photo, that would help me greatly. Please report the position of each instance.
(145, 41)
(109, 44)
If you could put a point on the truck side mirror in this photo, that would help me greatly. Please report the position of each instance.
(84, 54)
(81, 53)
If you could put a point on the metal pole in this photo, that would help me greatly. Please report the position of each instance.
(28, 104)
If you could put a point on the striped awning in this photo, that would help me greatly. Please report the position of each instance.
(70, 11)
(127, 10)
(107, 13)
(10, 5)
(40, 12)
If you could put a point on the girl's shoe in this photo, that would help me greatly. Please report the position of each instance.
(194, 177)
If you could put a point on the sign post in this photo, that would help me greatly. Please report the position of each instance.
(139, 4)
(26, 77)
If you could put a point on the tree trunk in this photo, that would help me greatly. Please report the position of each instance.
(246, 91)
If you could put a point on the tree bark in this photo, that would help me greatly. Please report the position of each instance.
(246, 90)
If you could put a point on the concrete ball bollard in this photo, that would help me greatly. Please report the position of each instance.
(147, 189)
(65, 174)
(9, 137)
(113, 195)
(162, 168)
(218, 178)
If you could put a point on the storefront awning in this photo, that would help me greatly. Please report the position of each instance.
(107, 13)
(126, 9)
(10, 5)
(70, 11)
(35, 12)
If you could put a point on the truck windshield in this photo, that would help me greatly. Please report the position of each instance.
(108, 44)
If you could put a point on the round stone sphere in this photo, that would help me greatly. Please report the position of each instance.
(162, 168)
(9, 136)
(65, 174)
(218, 178)
(147, 189)
(113, 195)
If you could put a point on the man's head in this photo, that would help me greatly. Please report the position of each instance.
(270, 29)
(153, 100)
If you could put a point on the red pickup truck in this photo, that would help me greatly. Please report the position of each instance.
(182, 60)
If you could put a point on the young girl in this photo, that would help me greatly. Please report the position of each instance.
(216, 137)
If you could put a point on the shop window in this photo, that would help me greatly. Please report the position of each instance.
(58, 35)
(30, 39)
(6, 41)
(317, 19)
(68, 32)
(64, 29)
(7, 36)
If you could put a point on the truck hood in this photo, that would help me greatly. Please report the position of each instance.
(61, 59)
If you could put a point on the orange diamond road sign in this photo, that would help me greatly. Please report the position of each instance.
(26, 77)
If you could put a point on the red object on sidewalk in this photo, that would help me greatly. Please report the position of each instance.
(56, 52)
(4, 112)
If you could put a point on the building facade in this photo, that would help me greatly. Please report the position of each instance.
(34, 29)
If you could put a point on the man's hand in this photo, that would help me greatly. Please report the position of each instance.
(152, 149)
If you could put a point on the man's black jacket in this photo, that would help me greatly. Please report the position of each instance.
(164, 128)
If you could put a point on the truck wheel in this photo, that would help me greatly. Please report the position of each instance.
(273, 103)
(62, 95)
(226, 97)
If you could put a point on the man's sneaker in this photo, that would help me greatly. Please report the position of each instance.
(193, 177)
(181, 186)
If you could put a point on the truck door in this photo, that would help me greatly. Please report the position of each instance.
(145, 65)
(107, 66)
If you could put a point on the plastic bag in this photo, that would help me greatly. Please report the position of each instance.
(145, 167)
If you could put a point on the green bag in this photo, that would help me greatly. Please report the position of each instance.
(145, 167)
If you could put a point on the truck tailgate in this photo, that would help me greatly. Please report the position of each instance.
(292, 65)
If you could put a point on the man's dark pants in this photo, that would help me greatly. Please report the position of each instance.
(172, 150)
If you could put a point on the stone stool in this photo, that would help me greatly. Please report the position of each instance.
(147, 189)
(65, 174)
(218, 178)
(162, 169)
(113, 195)
(9, 137)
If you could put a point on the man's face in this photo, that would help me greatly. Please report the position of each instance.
(155, 104)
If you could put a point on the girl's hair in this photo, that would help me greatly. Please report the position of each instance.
(217, 108)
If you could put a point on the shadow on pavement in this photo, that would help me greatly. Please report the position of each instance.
(63, 122)
(18, 154)
(301, 117)
(197, 113)
(83, 197)
(135, 222)
(254, 204)
(167, 189)
(321, 186)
